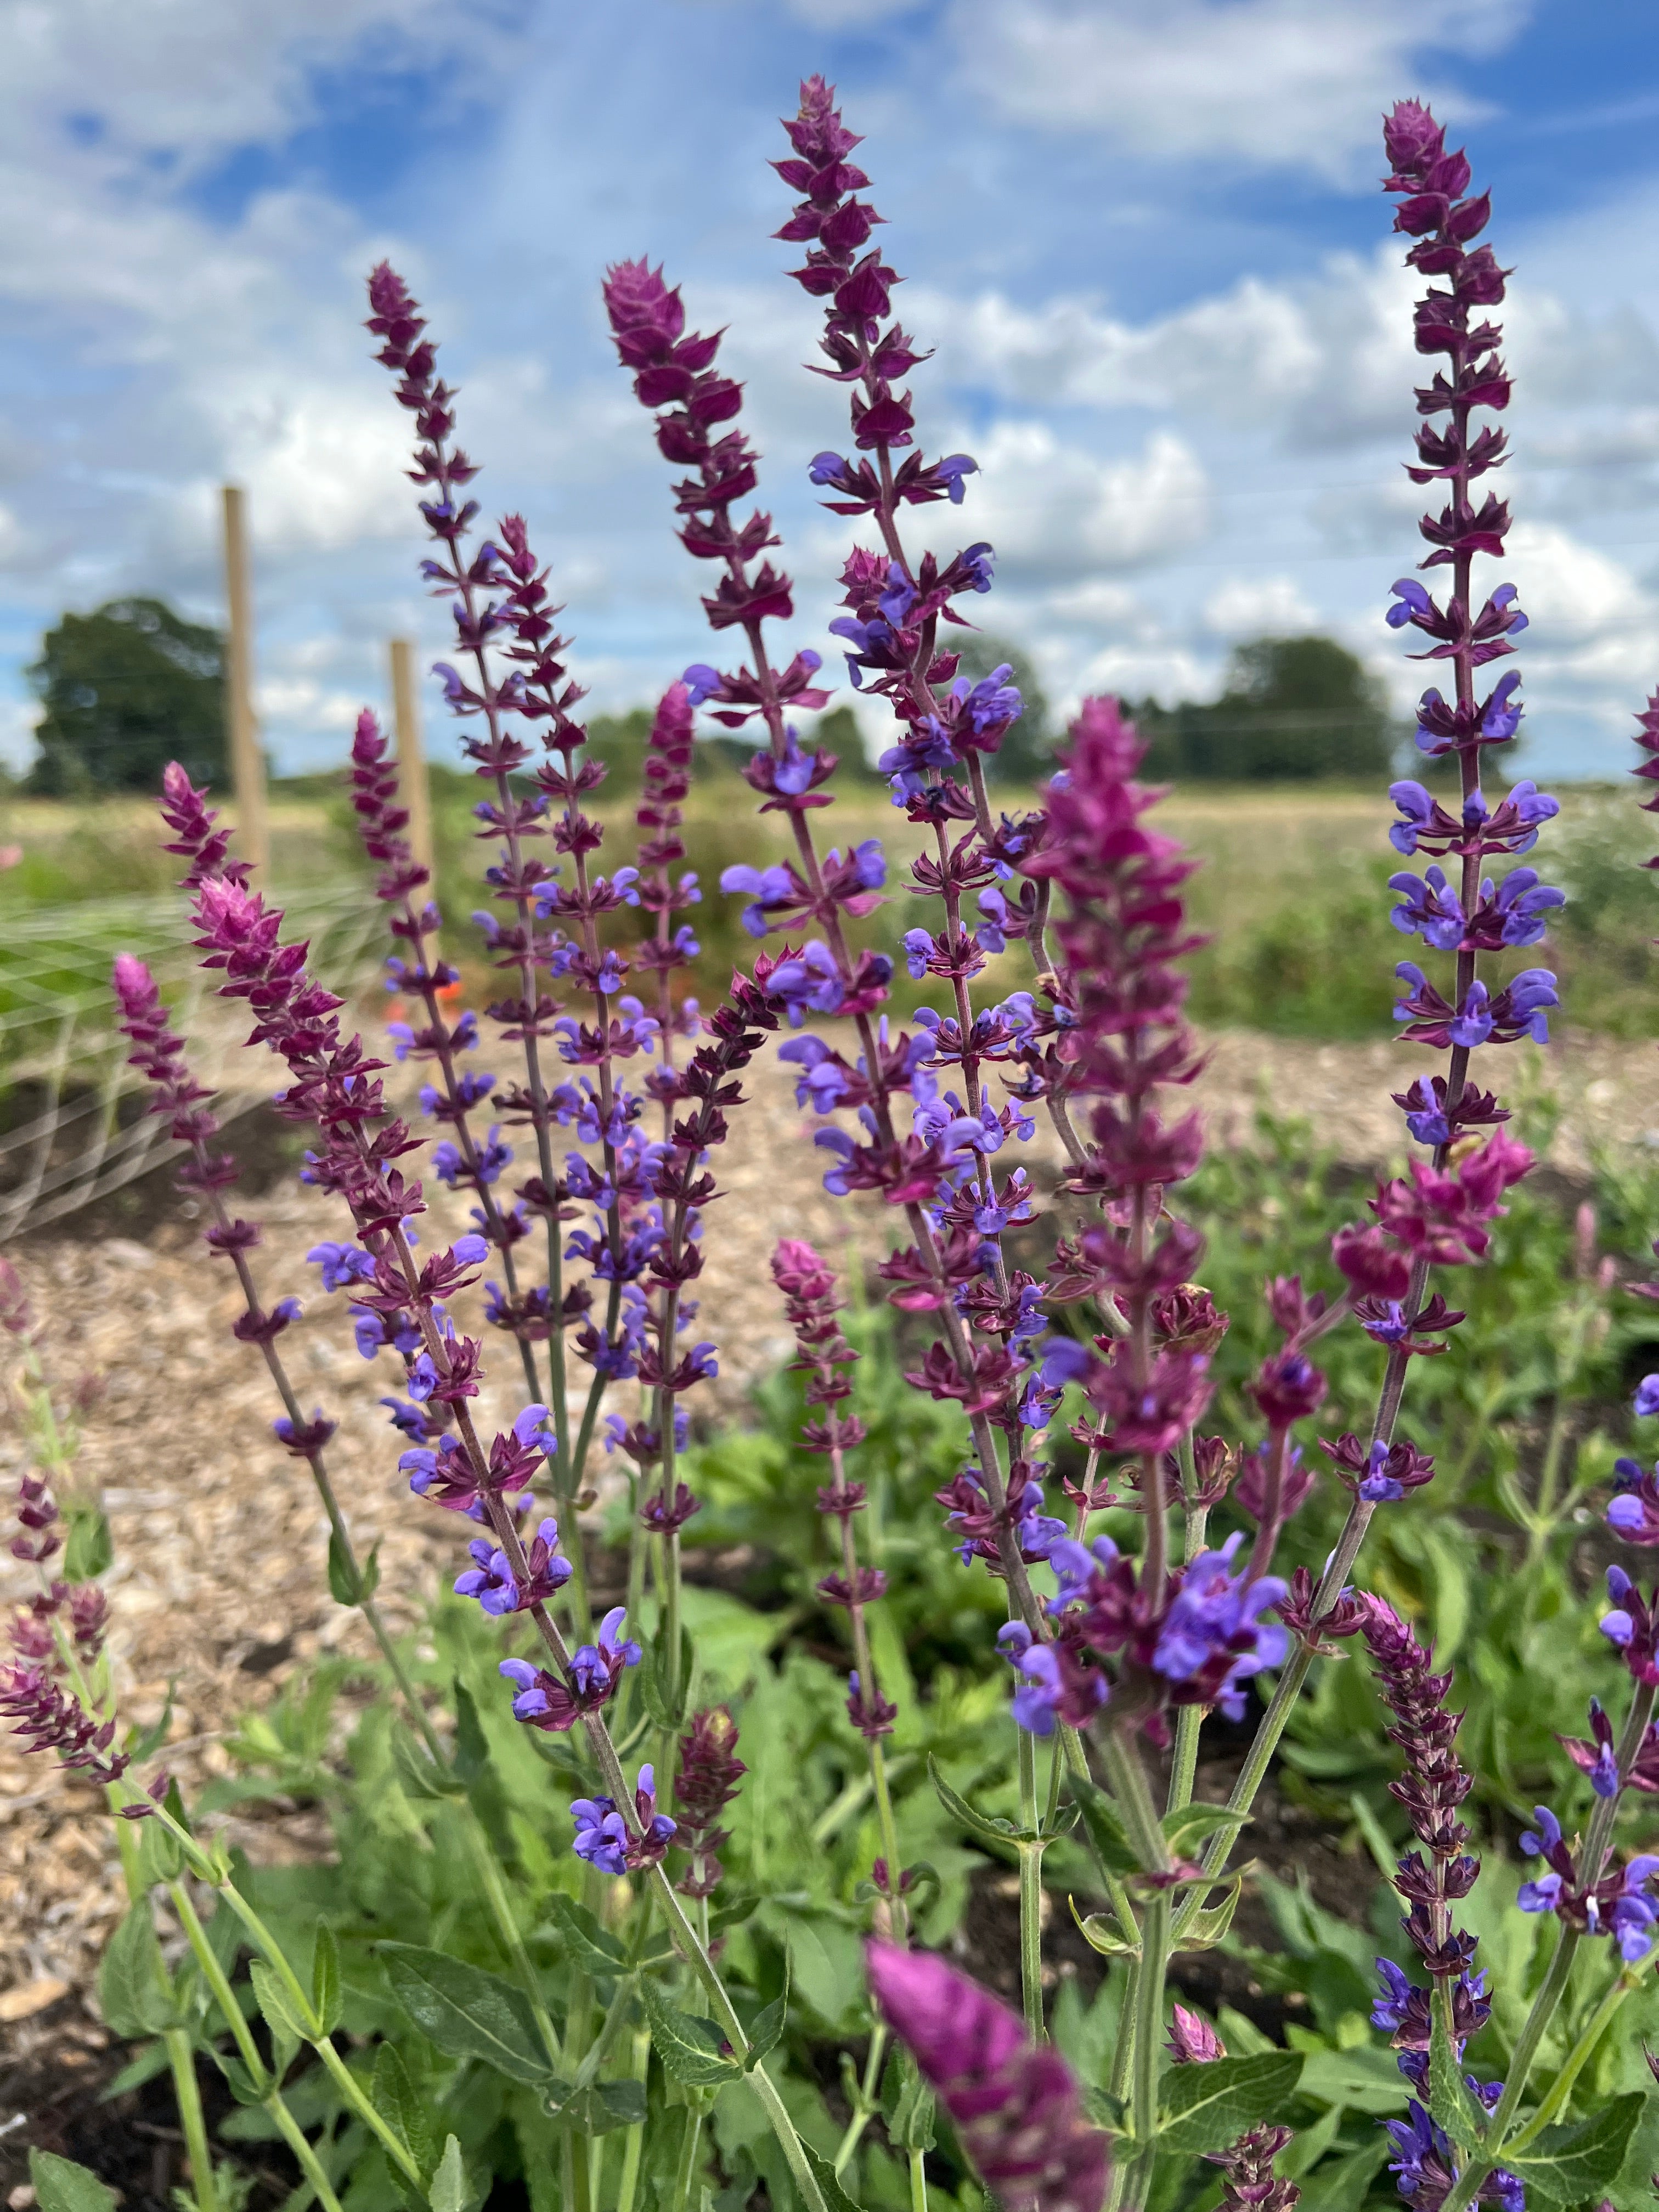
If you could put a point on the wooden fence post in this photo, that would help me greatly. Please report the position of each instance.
(247, 760)
(413, 784)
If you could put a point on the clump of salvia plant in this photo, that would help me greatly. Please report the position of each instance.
(589, 1152)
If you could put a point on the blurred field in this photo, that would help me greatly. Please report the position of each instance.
(1292, 889)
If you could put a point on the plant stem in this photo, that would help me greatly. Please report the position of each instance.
(205, 1871)
(275, 2103)
(689, 2143)
(1189, 1720)
(310, 2165)
(918, 2182)
(1148, 2032)
(867, 2105)
(347, 2083)
(702, 1966)
(215, 1977)
(1143, 2006)
(1561, 2088)
(1591, 1861)
(1031, 1892)
(633, 2146)
(187, 2094)
(1272, 1724)
(507, 1922)
(1123, 2050)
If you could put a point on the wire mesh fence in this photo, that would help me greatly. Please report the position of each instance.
(73, 1126)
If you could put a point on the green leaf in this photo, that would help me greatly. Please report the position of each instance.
(467, 2013)
(824, 2174)
(1365, 2079)
(1208, 1927)
(910, 2115)
(737, 1910)
(451, 2190)
(61, 2185)
(1104, 1824)
(1566, 2164)
(1340, 2183)
(652, 1677)
(1191, 1824)
(767, 2027)
(145, 1746)
(1106, 2111)
(471, 1744)
(134, 1990)
(1100, 1932)
(990, 1829)
(1450, 2103)
(690, 2048)
(160, 1854)
(603, 2106)
(401, 2105)
(277, 2004)
(420, 1776)
(151, 2061)
(327, 1999)
(89, 1549)
(1205, 2106)
(247, 2088)
(347, 1583)
(590, 1946)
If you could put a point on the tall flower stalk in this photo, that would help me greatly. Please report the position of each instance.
(1115, 1652)
(334, 1085)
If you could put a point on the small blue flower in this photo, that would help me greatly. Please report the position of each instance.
(1411, 598)
(1501, 720)
(341, 1265)
(950, 471)
(601, 1836)
(980, 562)
(1375, 1487)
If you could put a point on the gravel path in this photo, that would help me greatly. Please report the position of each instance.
(218, 1587)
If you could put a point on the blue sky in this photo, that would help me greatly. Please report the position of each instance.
(1144, 237)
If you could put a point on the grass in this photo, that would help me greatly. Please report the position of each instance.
(1291, 893)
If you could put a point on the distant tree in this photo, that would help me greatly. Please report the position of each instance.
(1291, 710)
(126, 689)
(1026, 754)
(839, 731)
(619, 740)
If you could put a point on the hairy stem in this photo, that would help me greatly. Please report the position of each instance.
(187, 2094)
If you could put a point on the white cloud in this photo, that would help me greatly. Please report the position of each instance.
(1329, 356)
(1053, 510)
(1274, 83)
(189, 78)
(1098, 604)
(1167, 672)
(1255, 606)
(1571, 593)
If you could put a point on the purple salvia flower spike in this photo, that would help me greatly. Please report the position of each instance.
(1013, 2103)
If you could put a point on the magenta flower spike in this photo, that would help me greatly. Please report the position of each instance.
(1013, 2104)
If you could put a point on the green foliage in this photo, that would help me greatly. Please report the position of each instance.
(448, 2022)
(126, 689)
(61, 2185)
(1318, 962)
(1205, 2107)
(1291, 710)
